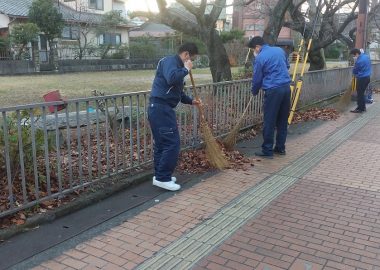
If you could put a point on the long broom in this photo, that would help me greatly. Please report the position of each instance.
(230, 141)
(213, 150)
(345, 99)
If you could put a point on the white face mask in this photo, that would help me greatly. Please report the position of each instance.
(255, 54)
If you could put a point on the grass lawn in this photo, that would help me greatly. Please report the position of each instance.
(16, 90)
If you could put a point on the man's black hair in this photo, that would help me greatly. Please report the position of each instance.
(355, 51)
(256, 41)
(188, 47)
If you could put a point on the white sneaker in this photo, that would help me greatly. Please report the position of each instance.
(166, 185)
(173, 179)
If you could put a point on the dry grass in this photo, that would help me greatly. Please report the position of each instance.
(16, 90)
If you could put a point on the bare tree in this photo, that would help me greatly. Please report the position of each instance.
(348, 36)
(328, 28)
(193, 20)
(276, 21)
(81, 24)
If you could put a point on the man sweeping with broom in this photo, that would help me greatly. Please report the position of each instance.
(270, 72)
(362, 73)
(167, 92)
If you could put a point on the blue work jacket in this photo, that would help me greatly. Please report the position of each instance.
(362, 67)
(270, 69)
(169, 81)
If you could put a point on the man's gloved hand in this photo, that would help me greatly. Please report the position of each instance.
(188, 65)
(197, 102)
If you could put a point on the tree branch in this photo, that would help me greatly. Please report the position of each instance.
(217, 9)
(189, 7)
(202, 7)
(161, 5)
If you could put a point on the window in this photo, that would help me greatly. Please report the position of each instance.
(254, 27)
(70, 32)
(110, 39)
(96, 4)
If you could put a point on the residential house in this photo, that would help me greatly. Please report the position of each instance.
(151, 29)
(164, 38)
(77, 14)
(373, 33)
(254, 17)
(221, 24)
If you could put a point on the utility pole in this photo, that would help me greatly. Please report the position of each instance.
(361, 25)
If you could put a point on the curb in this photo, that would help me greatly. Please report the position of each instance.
(80, 203)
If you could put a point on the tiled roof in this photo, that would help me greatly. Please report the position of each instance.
(20, 8)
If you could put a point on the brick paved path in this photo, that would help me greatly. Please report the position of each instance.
(316, 208)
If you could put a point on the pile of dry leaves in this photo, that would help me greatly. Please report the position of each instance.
(195, 161)
(191, 161)
(316, 114)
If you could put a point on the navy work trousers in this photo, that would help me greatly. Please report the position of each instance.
(163, 123)
(276, 113)
(361, 86)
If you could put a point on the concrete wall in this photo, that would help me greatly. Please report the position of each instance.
(319, 85)
(13, 67)
(104, 64)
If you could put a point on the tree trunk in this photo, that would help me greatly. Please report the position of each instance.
(105, 51)
(275, 22)
(51, 52)
(317, 60)
(219, 62)
(20, 51)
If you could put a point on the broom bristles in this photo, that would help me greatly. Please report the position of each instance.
(344, 101)
(213, 151)
(230, 141)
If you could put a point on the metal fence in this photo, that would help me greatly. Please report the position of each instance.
(48, 150)
(324, 84)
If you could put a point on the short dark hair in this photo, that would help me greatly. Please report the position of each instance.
(188, 47)
(256, 41)
(355, 51)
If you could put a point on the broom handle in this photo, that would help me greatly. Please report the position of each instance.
(246, 108)
(246, 58)
(193, 84)
(241, 119)
(200, 106)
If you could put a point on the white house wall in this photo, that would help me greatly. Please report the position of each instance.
(4, 21)
(82, 5)
(120, 7)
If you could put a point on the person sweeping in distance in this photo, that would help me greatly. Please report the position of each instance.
(270, 72)
(362, 73)
(167, 92)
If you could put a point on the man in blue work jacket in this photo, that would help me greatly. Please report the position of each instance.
(270, 72)
(167, 92)
(362, 73)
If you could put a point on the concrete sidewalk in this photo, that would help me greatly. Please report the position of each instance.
(318, 207)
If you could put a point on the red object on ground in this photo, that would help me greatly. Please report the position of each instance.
(55, 96)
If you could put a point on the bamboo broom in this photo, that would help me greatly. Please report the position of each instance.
(213, 151)
(230, 141)
(345, 99)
